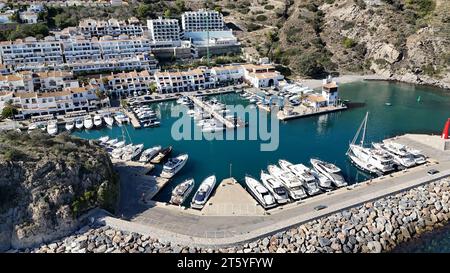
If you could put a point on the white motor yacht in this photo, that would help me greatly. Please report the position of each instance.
(404, 159)
(70, 125)
(98, 121)
(275, 187)
(329, 170)
(204, 191)
(79, 124)
(111, 142)
(52, 127)
(109, 120)
(260, 193)
(119, 144)
(87, 122)
(103, 140)
(292, 184)
(174, 165)
(302, 172)
(181, 192)
(133, 152)
(148, 154)
(118, 152)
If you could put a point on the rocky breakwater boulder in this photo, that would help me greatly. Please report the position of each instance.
(46, 183)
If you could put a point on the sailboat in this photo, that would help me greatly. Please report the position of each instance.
(368, 160)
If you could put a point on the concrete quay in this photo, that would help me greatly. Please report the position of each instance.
(302, 111)
(216, 226)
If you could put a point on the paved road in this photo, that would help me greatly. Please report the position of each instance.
(186, 228)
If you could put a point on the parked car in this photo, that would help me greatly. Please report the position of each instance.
(433, 172)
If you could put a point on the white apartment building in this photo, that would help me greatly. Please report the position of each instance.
(26, 81)
(112, 27)
(262, 75)
(24, 54)
(122, 47)
(79, 49)
(164, 31)
(191, 80)
(202, 20)
(35, 103)
(4, 70)
(227, 73)
(126, 83)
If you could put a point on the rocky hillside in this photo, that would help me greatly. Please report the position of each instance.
(407, 40)
(46, 183)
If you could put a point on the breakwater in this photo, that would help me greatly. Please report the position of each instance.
(376, 226)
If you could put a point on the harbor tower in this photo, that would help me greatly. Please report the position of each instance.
(330, 91)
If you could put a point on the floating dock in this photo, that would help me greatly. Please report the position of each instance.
(134, 121)
(228, 123)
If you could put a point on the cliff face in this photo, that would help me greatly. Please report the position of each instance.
(406, 40)
(46, 183)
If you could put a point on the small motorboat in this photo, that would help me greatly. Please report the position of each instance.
(174, 165)
(109, 120)
(103, 140)
(260, 193)
(52, 127)
(133, 152)
(388, 104)
(119, 144)
(111, 142)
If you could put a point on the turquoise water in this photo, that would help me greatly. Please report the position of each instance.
(437, 241)
(326, 136)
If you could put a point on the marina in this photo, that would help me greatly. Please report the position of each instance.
(212, 157)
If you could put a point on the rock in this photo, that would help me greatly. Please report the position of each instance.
(281, 250)
(247, 250)
(336, 246)
(253, 245)
(265, 242)
(100, 249)
(128, 239)
(324, 241)
(374, 246)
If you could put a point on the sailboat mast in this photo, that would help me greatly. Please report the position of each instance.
(365, 127)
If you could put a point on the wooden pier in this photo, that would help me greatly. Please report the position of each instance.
(134, 121)
(228, 123)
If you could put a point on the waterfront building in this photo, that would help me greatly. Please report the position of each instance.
(127, 83)
(122, 47)
(164, 32)
(330, 91)
(227, 73)
(315, 100)
(262, 75)
(190, 80)
(18, 82)
(53, 81)
(5, 17)
(43, 103)
(29, 52)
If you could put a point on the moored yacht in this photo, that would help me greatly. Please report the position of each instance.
(103, 140)
(87, 122)
(404, 159)
(98, 121)
(275, 187)
(132, 152)
(292, 184)
(301, 171)
(109, 120)
(402, 150)
(181, 192)
(119, 144)
(69, 125)
(118, 152)
(149, 153)
(204, 191)
(79, 123)
(52, 127)
(260, 193)
(111, 142)
(174, 165)
(329, 170)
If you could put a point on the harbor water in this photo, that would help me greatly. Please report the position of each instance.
(412, 109)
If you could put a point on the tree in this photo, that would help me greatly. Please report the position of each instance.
(142, 11)
(153, 87)
(123, 103)
(9, 110)
(15, 17)
(167, 13)
(100, 94)
(180, 5)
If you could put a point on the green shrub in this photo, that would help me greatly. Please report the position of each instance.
(348, 43)
(261, 18)
(269, 7)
